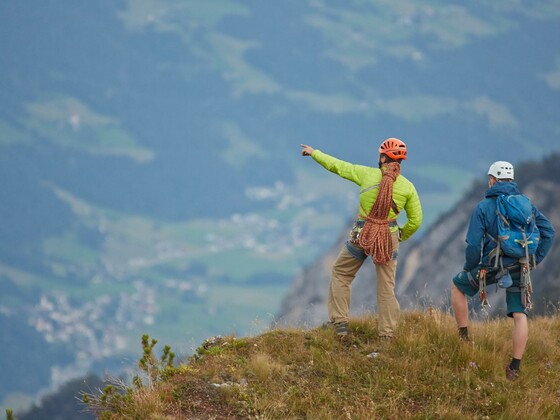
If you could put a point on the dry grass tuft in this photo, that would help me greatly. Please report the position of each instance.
(425, 372)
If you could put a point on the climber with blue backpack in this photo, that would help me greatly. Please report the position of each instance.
(507, 238)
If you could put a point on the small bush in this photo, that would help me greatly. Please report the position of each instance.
(141, 397)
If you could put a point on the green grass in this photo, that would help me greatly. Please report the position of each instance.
(361, 33)
(338, 103)
(241, 149)
(425, 372)
(188, 19)
(239, 264)
(21, 278)
(68, 123)
(67, 247)
(172, 16)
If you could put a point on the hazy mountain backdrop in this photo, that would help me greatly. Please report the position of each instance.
(150, 177)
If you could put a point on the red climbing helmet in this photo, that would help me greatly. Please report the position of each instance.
(394, 148)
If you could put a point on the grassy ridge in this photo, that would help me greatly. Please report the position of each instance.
(425, 372)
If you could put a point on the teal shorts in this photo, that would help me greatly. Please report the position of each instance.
(467, 282)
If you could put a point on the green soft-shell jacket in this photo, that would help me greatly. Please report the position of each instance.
(404, 193)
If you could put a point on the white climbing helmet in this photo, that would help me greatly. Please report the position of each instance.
(501, 170)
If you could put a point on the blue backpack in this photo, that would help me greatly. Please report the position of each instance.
(518, 234)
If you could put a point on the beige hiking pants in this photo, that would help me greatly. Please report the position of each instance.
(343, 273)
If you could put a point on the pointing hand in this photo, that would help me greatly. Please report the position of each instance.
(307, 150)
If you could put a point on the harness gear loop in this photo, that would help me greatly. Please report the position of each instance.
(525, 284)
(482, 287)
(526, 287)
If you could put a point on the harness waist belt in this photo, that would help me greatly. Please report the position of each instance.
(360, 223)
(513, 268)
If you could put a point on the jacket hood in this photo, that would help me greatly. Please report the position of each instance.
(505, 188)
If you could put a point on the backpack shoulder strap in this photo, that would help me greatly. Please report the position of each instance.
(496, 253)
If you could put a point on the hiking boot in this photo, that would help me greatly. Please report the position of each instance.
(511, 374)
(327, 325)
(464, 334)
(341, 329)
(385, 338)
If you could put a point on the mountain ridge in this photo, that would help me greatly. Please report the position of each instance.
(310, 373)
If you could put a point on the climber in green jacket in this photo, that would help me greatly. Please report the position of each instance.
(384, 192)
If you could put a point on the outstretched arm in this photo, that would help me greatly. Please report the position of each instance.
(344, 169)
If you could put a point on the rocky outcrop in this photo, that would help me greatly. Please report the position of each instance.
(428, 263)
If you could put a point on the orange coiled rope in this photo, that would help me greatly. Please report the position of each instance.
(375, 237)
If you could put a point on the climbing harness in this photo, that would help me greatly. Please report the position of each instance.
(354, 235)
